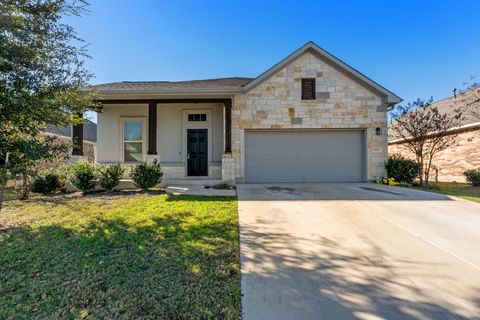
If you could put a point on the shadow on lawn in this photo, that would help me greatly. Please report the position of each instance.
(327, 281)
(161, 269)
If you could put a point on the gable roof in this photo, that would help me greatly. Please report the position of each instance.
(336, 63)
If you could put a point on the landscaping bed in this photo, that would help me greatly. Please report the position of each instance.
(117, 255)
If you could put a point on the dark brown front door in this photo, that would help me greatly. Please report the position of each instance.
(197, 152)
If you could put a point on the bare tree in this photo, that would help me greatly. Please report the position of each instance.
(469, 98)
(424, 131)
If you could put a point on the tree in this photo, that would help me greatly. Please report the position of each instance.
(42, 76)
(470, 98)
(424, 131)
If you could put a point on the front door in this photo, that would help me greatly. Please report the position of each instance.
(197, 152)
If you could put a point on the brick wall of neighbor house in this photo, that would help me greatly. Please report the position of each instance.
(452, 162)
(341, 103)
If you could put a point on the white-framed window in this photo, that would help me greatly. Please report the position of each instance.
(197, 117)
(133, 137)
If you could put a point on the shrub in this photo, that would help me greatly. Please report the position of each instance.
(110, 175)
(146, 175)
(402, 169)
(473, 176)
(46, 183)
(82, 175)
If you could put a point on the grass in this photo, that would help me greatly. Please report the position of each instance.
(139, 256)
(461, 190)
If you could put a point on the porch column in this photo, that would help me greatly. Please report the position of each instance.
(228, 126)
(152, 128)
(77, 138)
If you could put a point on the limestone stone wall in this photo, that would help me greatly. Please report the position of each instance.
(340, 103)
(450, 164)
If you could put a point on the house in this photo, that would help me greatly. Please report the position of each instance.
(309, 118)
(89, 137)
(450, 163)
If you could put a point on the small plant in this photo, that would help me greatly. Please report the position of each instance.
(473, 176)
(82, 175)
(46, 183)
(146, 174)
(402, 169)
(389, 181)
(110, 175)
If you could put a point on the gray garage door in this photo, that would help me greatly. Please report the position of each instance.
(304, 156)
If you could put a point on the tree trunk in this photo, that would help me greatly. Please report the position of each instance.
(23, 194)
(1, 198)
(420, 162)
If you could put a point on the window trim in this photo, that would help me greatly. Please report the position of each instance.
(122, 141)
(313, 88)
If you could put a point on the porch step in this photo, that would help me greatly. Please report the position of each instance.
(128, 184)
(191, 182)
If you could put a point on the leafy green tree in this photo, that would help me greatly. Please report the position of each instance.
(42, 77)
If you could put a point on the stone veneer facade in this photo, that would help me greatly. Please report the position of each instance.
(341, 103)
(450, 164)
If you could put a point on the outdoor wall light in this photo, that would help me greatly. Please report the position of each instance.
(378, 131)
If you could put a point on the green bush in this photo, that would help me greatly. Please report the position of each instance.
(82, 175)
(46, 183)
(402, 169)
(146, 175)
(110, 175)
(473, 176)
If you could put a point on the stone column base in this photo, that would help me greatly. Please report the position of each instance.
(228, 168)
(76, 158)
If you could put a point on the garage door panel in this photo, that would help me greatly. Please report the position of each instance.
(304, 156)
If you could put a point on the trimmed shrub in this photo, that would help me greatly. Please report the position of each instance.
(402, 169)
(46, 183)
(473, 176)
(146, 175)
(82, 175)
(110, 175)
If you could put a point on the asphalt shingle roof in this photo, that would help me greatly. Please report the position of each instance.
(220, 84)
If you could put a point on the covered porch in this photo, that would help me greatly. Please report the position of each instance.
(191, 137)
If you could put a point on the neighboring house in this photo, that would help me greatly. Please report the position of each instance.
(450, 163)
(89, 137)
(309, 118)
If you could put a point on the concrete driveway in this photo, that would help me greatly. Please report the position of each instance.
(357, 251)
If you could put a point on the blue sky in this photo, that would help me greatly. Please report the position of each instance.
(417, 49)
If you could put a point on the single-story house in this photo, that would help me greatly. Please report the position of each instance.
(309, 118)
(464, 154)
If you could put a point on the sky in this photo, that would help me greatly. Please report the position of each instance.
(417, 49)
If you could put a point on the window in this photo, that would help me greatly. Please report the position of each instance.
(197, 117)
(308, 89)
(132, 140)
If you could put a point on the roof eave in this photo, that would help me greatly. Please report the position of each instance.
(104, 93)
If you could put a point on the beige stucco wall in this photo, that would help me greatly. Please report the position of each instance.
(171, 130)
(450, 164)
(341, 103)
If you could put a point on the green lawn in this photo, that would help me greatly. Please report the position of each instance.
(461, 190)
(134, 256)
